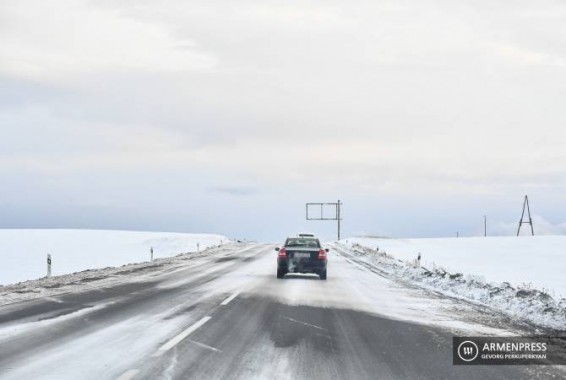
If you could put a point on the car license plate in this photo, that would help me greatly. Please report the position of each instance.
(302, 255)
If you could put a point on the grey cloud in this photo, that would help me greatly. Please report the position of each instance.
(363, 99)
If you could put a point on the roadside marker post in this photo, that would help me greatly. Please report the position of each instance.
(48, 265)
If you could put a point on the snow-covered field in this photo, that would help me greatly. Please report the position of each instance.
(521, 276)
(23, 253)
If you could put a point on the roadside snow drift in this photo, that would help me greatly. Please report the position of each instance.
(520, 276)
(24, 252)
(536, 260)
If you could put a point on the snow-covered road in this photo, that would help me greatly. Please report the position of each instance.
(226, 316)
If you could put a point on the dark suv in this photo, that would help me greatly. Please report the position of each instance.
(301, 255)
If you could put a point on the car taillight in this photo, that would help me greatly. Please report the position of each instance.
(282, 253)
(322, 254)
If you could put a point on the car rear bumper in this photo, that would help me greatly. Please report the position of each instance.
(302, 266)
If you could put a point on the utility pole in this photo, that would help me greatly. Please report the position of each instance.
(529, 221)
(484, 225)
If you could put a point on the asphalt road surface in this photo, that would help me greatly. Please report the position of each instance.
(226, 316)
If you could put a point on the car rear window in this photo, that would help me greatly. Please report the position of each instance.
(302, 242)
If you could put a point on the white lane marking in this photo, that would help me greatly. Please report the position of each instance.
(129, 374)
(204, 345)
(229, 299)
(176, 340)
(305, 323)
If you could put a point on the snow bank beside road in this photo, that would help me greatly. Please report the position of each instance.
(536, 260)
(520, 289)
(23, 253)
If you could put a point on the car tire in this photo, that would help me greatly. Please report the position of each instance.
(280, 273)
(323, 275)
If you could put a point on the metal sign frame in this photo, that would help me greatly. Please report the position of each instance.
(337, 217)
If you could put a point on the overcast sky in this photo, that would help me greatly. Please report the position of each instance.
(220, 116)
